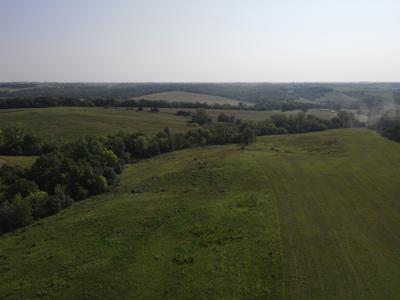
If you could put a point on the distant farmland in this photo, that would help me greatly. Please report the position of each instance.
(67, 123)
(178, 96)
(71, 122)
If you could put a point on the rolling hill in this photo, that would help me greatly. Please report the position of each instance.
(311, 216)
(180, 96)
(70, 122)
(66, 123)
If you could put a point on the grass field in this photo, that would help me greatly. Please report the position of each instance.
(70, 122)
(313, 216)
(23, 161)
(66, 123)
(179, 96)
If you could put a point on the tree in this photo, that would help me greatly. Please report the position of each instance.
(98, 185)
(38, 202)
(21, 211)
(280, 120)
(225, 118)
(20, 186)
(31, 145)
(111, 176)
(12, 140)
(247, 136)
(201, 117)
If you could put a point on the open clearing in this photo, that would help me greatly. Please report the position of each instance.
(311, 216)
(178, 96)
(22, 161)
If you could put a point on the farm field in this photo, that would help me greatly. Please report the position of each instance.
(180, 96)
(311, 216)
(66, 123)
(70, 122)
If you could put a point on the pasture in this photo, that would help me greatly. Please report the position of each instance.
(66, 123)
(310, 216)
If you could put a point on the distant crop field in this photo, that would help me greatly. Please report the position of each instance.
(178, 96)
(308, 216)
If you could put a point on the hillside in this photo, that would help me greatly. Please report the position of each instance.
(71, 122)
(179, 96)
(312, 216)
(67, 123)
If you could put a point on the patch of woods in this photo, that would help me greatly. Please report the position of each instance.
(91, 165)
(389, 127)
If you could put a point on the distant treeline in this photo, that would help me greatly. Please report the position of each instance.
(389, 127)
(91, 165)
(248, 92)
(264, 96)
(42, 102)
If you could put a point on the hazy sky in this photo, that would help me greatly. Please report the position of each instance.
(203, 40)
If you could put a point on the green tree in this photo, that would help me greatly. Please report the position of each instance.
(247, 136)
(21, 211)
(201, 117)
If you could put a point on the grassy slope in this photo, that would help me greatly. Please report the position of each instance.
(178, 96)
(70, 122)
(203, 224)
(340, 216)
(193, 229)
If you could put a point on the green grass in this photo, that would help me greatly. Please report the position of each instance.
(179, 96)
(67, 123)
(71, 122)
(313, 216)
(183, 225)
(22, 161)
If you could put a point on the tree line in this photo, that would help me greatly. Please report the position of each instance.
(42, 102)
(91, 165)
(389, 127)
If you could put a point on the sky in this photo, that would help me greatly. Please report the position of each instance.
(199, 41)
